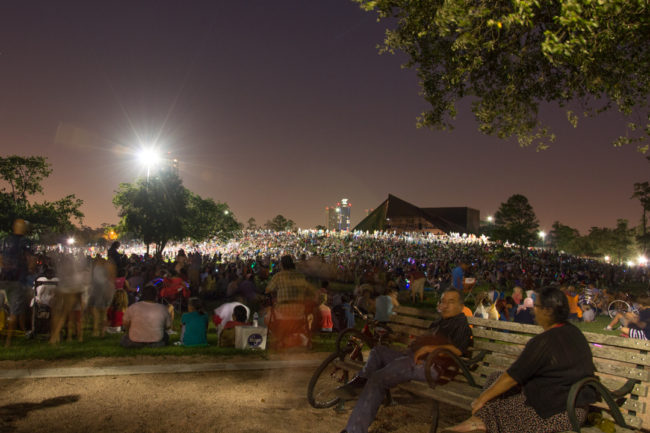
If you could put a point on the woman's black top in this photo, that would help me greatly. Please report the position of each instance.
(550, 363)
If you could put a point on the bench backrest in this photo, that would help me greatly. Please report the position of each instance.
(617, 359)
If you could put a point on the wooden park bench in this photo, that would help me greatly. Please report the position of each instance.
(622, 365)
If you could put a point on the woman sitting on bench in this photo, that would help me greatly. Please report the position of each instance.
(536, 385)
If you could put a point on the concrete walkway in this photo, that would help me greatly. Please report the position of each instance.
(38, 373)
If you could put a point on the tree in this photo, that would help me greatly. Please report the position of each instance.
(516, 222)
(161, 209)
(642, 192)
(153, 209)
(508, 57)
(616, 243)
(23, 177)
(207, 219)
(251, 224)
(279, 223)
(564, 238)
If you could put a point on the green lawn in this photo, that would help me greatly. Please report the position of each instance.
(108, 346)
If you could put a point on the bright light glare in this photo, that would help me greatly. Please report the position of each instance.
(148, 157)
(542, 234)
(70, 241)
(489, 218)
(225, 212)
(630, 263)
(642, 260)
(607, 259)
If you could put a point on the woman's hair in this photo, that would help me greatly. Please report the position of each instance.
(555, 300)
(197, 304)
(120, 300)
(287, 263)
(149, 293)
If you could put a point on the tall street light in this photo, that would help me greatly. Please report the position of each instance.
(148, 157)
(542, 236)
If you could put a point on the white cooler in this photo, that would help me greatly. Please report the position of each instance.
(250, 337)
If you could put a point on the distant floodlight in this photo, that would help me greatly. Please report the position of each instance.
(148, 156)
(642, 260)
(225, 212)
(607, 259)
(630, 263)
(542, 234)
(489, 218)
(70, 241)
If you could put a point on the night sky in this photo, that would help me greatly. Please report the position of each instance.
(273, 107)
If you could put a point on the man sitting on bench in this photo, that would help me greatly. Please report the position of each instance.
(387, 368)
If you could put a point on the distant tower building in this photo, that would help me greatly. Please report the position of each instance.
(331, 219)
(343, 212)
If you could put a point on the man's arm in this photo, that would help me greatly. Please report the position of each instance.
(423, 352)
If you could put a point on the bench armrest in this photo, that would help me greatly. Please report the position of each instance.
(605, 394)
(463, 366)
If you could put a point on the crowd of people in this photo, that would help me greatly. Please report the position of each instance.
(106, 282)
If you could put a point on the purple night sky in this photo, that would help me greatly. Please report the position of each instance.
(273, 107)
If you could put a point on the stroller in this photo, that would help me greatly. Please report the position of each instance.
(44, 288)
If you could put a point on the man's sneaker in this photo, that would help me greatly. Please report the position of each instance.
(352, 389)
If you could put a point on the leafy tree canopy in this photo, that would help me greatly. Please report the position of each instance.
(510, 56)
(20, 179)
(161, 209)
(280, 223)
(515, 221)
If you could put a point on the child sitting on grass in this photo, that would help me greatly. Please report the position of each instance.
(115, 312)
(195, 324)
(227, 337)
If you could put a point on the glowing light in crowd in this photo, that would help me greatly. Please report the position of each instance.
(630, 263)
(607, 259)
(642, 260)
(70, 241)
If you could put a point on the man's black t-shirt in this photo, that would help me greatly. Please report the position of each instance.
(454, 329)
(550, 363)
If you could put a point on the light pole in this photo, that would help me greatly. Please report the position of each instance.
(542, 236)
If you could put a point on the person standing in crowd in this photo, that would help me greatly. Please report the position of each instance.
(67, 304)
(16, 252)
(102, 290)
(457, 275)
(294, 300)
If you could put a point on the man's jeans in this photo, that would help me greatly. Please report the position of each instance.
(384, 369)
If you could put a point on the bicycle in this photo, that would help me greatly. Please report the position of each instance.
(351, 344)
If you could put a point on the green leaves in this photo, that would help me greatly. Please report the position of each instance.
(515, 221)
(23, 177)
(511, 56)
(161, 209)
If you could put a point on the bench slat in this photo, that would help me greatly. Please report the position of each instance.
(416, 312)
(412, 321)
(619, 354)
(510, 326)
(613, 353)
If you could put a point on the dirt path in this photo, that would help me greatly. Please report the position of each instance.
(246, 402)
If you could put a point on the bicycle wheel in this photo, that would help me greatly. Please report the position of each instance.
(353, 338)
(327, 377)
(616, 307)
